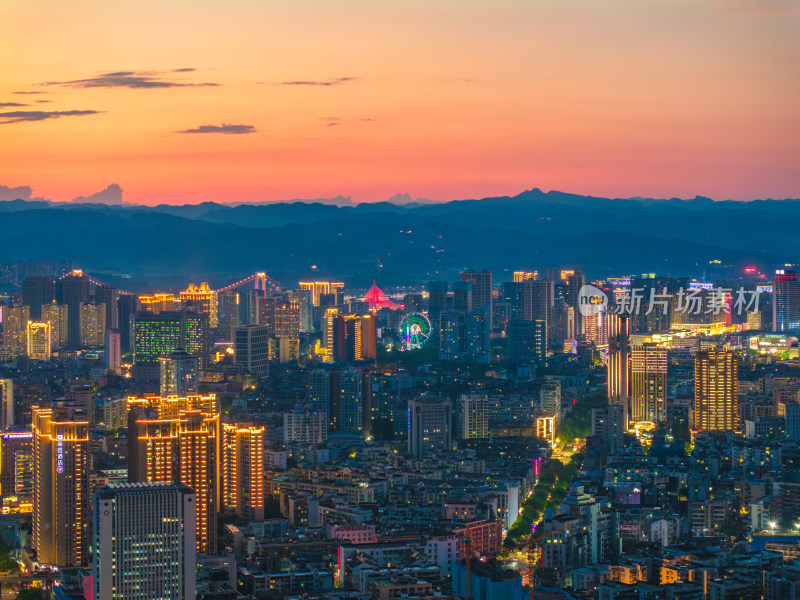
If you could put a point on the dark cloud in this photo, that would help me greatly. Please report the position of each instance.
(41, 115)
(27, 92)
(184, 70)
(43, 101)
(224, 128)
(7, 104)
(324, 82)
(130, 79)
(332, 124)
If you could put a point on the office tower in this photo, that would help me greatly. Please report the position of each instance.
(319, 288)
(429, 426)
(619, 364)
(350, 406)
(227, 314)
(157, 335)
(157, 303)
(108, 295)
(649, 362)
(113, 354)
(608, 427)
(93, 325)
(575, 282)
(243, 470)
(56, 315)
(785, 301)
(144, 541)
(179, 373)
(7, 408)
(127, 307)
(61, 465)
(473, 415)
(716, 404)
(201, 300)
(525, 341)
(520, 276)
(550, 397)
(37, 290)
(481, 291)
(437, 299)
(451, 335)
(15, 328)
(412, 303)
(307, 426)
(538, 299)
(476, 336)
(462, 296)
(251, 349)
(73, 290)
(178, 440)
(16, 463)
(38, 340)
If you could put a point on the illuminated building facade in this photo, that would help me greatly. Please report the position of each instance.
(15, 328)
(38, 340)
(785, 301)
(93, 325)
(537, 298)
(546, 429)
(320, 288)
(575, 281)
(251, 349)
(178, 373)
(56, 315)
(619, 364)
(202, 300)
(61, 465)
(243, 470)
(309, 427)
(108, 295)
(113, 352)
(16, 463)
(481, 291)
(451, 335)
(716, 402)
(7, 408)
(157, 303)
(355, 337)
(157, 335)
(329, 323)
(144, 541)
(520, 276)
(178, 439)
(72, 291)
(474, 415)
(429, 426)
(649, 366)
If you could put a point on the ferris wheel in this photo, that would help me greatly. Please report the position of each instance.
(415, 330)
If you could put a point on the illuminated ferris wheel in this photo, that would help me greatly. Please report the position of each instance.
(415, 330)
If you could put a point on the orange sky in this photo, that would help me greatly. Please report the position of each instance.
(438, 99)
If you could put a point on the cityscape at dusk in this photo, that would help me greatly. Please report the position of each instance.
(400, 301)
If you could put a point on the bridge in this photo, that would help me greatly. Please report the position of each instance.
(46, 577)
(260, 281)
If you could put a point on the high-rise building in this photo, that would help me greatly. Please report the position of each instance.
(108, 295)
(61, 465)
(201, 300)
(16, 463)
(319, 288)
(451, 335)
(127, 307)
(649, 363)
(281, 314)
(350, 407)
(538, 299)
(56, 315)
(179, 440)
(785, 301)
(355, 337)
(15, 329)
(412, 303)
(575, 282)
(251, 349)
(157, 303)
(115, 413)
(429, 423)
(37, 290)
(520, 276)
(322, 387)
(93, 325)
(462, 296)
(526, 341)
(7, 399)
(243, 470)
(144, 541)
(476, 336)
(227, 314)
(618, 380)
(73, 290)
(437, 299)
(288, 350)
(481, 291)
(38, 340)
(608, 426)
(561, 326)
(473, 415)
(330, 321)
(550, 397)
(716, 402)
(307, 426)
(113, 353)
(179, 373)
(157, 335)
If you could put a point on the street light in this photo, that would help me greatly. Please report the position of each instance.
(772, 524)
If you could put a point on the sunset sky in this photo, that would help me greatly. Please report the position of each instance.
(252, 100)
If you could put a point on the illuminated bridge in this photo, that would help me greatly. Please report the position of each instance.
(259, 281)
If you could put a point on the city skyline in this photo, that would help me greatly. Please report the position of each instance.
(263, 101)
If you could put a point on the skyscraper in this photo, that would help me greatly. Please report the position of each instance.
(16, 463)
(108, 295)
(201, 300)
(38, 340)
(15, 328)
(251, 349)
(113, 354)
(716, 402)
(476, 336)
(37, 290)
(429, 423)
(320, 288)
(355, 337)
(61, 465)
(144, 541)
(350, 407)
(243, 470)
(648, 380)
(178, 439)
(785, 301)
(462, 296)
(56, 315)
(525, 341)
(575, 282)
(157, 335)
(619, 364)
(481, 291)
(178, 373)
(73, 290)
(437, 299)
(473, 415)
(537, 298)
(307, 426)
(127, 307)
(93, 325)
(7, 399)
(451, 335)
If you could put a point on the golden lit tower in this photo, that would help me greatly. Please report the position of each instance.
(648, 380)
(716, 405)
(243, 470)
(619, 364)
(201, 300)
(61, 464)
(38, 340)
